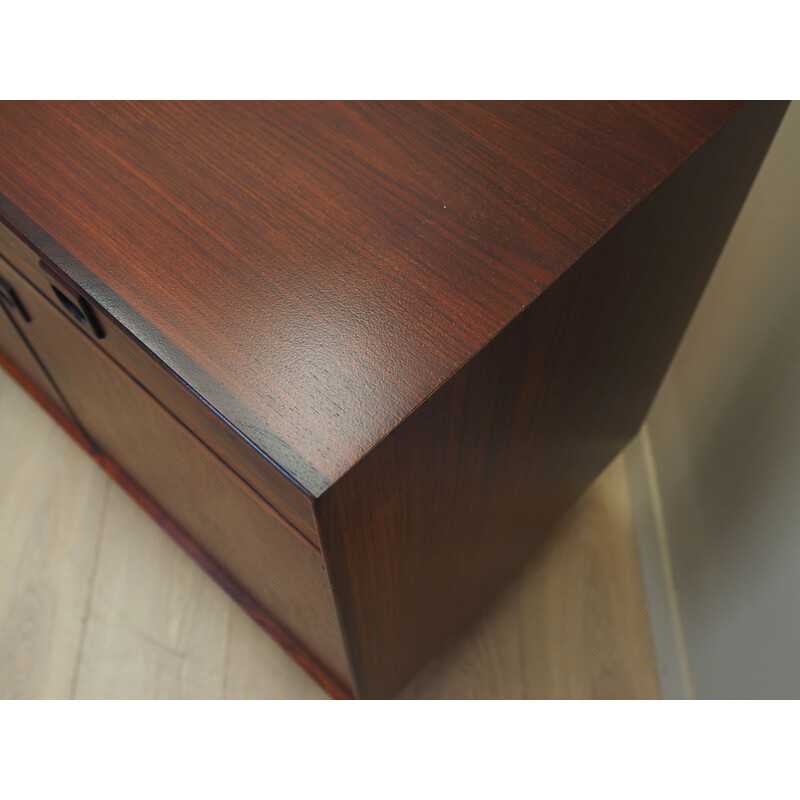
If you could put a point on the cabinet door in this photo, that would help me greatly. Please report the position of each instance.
(230, 522)
(15, 318)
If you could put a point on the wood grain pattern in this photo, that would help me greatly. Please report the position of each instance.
(314, 271)
(163, 631)
(423, 328)
(448, 506)
(257, 669)
(24, 264)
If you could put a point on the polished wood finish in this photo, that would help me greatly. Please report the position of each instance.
(315, 271)
(417, 330)
(461, 492)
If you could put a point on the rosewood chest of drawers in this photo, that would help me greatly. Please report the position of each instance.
(358, 358)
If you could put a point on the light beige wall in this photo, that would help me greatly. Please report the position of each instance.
(725, 435)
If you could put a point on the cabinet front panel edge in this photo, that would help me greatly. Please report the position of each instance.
(290, 494)
(285, 640)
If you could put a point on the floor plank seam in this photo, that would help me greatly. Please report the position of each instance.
(90, 594)
(521, 639)
(226, 668)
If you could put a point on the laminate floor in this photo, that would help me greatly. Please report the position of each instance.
(97, 602)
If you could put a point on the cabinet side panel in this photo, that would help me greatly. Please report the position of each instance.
(442, 512)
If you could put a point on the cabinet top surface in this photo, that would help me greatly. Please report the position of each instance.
(315, 270)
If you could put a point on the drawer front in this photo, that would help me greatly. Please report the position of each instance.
(14, 320)
(231, 523)
(175, 396)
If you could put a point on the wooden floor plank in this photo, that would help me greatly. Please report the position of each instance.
(157, 625)
(585, 629)
(258, 669)
(51, 503)
(574, 625)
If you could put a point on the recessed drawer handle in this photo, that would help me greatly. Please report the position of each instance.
(11, 300)
(80, 311)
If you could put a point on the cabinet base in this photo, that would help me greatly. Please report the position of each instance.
(264, 620)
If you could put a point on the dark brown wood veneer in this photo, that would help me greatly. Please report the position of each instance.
(413, 332)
